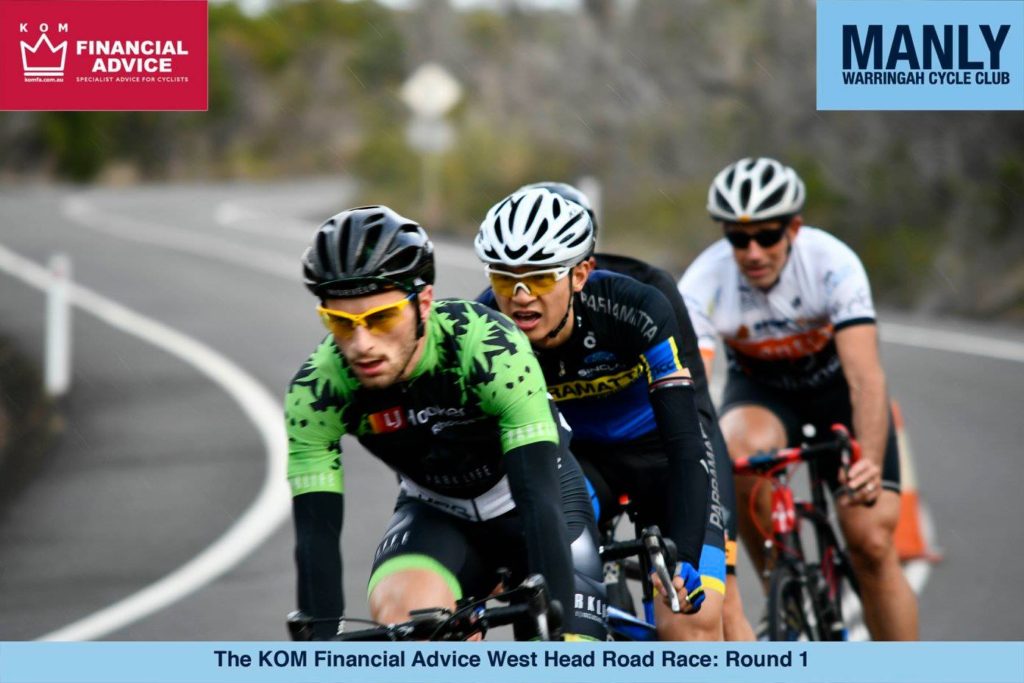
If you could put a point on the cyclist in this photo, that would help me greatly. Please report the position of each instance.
(609, 349)
(793, 307)
(723, 495)
(449, 395)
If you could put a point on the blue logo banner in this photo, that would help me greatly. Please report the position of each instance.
(263, 662)
(920, 54)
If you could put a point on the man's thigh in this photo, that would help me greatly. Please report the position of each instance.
(422, 539)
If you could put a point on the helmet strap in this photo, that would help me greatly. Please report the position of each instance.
(419, 334)
(419, 318)
(568, 310)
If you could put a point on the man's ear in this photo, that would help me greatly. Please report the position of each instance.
(795, 225)
(580, 273)
(426, 297)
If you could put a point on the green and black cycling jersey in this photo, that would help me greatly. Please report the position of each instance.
(471, 432)
(609, 382)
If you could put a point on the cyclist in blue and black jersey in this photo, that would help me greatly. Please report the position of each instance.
(735, 625)
(609, 347)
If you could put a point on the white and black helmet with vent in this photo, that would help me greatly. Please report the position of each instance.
(752, 190)
(367, 250)
(535, 227)
(566, 191)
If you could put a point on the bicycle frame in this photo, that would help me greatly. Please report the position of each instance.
(788, 514)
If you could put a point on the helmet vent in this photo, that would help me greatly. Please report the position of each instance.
(371, 236)
(721, 201)
(580, 239)
(322, 253)
(568, 225)
(767, 175)
(401, 261)
(345, 238)
(516, 253)
(773, 199)
(533, 212)
(745, 187)
(542, 229)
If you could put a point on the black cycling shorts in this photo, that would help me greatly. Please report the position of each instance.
(821, 407)
(639, 469)
(468, 554)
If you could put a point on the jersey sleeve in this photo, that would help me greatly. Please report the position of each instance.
(506, 378)
(313, 421)
(847, 290)
(650, 328)
(699, 293)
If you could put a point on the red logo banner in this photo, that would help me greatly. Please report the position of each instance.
(103, 55)
(390, 420)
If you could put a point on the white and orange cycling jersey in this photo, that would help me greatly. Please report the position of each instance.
(783, 336)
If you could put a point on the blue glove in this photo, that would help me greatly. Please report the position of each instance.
(693, 587)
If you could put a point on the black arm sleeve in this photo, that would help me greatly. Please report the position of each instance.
(533, 479)
(676, 415)
(318, 518)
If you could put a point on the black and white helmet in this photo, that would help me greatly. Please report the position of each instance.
(535, 227)
(752, 190)
(566, 191)
(366, 250)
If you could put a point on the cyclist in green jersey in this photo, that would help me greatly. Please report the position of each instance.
(449, 395)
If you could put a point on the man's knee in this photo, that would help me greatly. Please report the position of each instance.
(871, 548)
(394, 596)
(748, 429)
(869, 532)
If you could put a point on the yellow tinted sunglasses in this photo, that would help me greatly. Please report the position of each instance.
(379, 320)
(536, 282)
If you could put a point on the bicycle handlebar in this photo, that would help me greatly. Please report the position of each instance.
(532, 602)
(660, 551)
(846, 447)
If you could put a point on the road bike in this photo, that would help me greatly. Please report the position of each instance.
(805, 590)
(529, 607)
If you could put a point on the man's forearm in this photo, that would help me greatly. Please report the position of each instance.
(871, 416)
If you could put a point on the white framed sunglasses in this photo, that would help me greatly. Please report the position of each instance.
(535, 282)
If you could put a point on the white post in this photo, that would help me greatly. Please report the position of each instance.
(58, 328)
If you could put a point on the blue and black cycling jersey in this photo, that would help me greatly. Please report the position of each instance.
(625, 339)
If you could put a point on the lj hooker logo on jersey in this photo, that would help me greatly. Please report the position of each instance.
(921, 54)
(103, 55)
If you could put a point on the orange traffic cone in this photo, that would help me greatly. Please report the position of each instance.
(910, 540)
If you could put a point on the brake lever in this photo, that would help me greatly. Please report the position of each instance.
(656, 552)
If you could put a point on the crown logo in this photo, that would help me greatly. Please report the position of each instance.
(38, 62)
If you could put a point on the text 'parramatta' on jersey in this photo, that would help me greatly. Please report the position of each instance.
(784, 336)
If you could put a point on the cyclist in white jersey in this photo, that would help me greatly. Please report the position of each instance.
(793, 307)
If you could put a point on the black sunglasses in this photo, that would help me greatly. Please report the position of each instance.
(765, 238)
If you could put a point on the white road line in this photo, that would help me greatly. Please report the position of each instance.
(265, 513)
(953, 342)
(237, 217)
(212, 247)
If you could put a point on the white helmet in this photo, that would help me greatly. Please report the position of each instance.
(535, 227)
(755, 190)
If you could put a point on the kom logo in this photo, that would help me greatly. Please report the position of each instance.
(43, 59)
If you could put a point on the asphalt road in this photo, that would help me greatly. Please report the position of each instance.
(158, 459)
